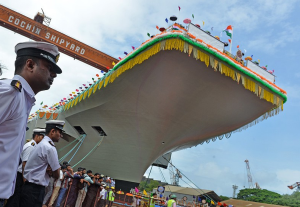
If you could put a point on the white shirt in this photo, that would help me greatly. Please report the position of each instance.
(57, 182)
(43, 155)
(102, 193)
(27, 149)
(15, 107)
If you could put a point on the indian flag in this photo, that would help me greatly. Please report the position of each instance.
(228, 31)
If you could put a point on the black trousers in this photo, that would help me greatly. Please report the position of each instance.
(14, 200)
(32, 195)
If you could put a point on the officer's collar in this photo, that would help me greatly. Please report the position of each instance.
(25, 85)
(33, 141)
(47, 139)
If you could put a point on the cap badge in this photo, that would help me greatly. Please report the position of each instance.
(16, 84)
(56, 58)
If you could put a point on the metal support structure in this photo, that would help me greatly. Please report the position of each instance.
(249, 174)
(235, 187)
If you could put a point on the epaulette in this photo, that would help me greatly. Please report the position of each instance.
(16, 84)
(32, 143)
(51, 143)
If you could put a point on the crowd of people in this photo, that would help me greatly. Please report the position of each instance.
(80, 188)
(69, 189)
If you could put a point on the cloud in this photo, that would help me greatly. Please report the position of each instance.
(114, 26)
(267, 43)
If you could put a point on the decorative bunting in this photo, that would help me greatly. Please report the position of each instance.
(125, 53)
(133, 47)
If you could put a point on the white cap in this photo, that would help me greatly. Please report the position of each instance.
(56, 123)
(43, 50)
(39, 131)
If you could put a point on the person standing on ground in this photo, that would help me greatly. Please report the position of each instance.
(89, 177)
(38, 135)
(35, 70)
(172, 201)
(68, 175)
(78, 179)
(92, 193)
(48, 191)
(42, 163)
(111, 197)
(101, 198)
(57, 185)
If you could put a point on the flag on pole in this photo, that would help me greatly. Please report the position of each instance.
(179, 8)
(228, 31)
(193, 16)
(133, 47)
(203, 23)
(167, 20)
(144, 192)
(238, 46)
(113, 63)
(136, 190)
(229, 40)
(157, 27)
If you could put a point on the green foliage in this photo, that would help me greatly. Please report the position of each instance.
(224, 198)
(265, 196)
(149, 187)
(292, 200)
(257, 195)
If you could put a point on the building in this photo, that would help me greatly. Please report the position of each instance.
(191, 194)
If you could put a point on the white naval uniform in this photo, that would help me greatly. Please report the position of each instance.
(27, 149)
(43, 155)
(15, 107)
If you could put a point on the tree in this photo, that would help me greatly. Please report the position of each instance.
(224, 198)
(149, 186)
(258, 195)
(265, 196)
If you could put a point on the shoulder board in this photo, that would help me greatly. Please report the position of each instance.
(51, 143)
(32, 143)
(16, 84)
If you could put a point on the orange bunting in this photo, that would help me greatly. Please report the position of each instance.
(48, 115)
(55, 115)
(41, 115)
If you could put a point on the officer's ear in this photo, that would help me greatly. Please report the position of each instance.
(30, 64)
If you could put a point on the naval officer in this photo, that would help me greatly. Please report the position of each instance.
(35, 70)
(38, 135)
(42, 163)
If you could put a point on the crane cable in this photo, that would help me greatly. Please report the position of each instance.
(203, 193)
(164, 179)
(84, 136)
(97, 145)
(148, 177)
(66, 155)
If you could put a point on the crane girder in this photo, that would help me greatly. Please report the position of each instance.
(37, 31)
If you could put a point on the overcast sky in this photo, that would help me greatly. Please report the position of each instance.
(268, 30)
